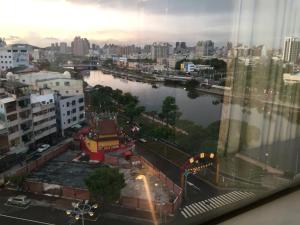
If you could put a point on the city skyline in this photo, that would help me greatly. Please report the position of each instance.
(141, 22)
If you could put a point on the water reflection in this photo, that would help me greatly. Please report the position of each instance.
(195, 107)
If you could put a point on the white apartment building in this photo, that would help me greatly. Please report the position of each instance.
(31, 78)
(13, 56)
(59, 82)
(64, 86)
(68, 97)
(70, 111)
(16, 116)
(43, 116)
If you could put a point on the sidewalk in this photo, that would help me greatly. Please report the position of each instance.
(111, 212)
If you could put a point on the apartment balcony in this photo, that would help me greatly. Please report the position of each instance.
(27, 138)
(25, 129)
(42, 107)
(13, 135)
(45, 133)
(18, 149)
(24, 119)
(43, 116)
(21, 109)
(12, 123)
(44, 125)
(10, 110)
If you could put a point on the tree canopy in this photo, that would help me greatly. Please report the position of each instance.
(105, 184)
(169, 110)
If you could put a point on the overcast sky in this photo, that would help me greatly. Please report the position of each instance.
(41, 22)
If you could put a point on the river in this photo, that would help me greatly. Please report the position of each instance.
(200, 110)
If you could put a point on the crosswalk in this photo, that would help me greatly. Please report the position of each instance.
(207, 205)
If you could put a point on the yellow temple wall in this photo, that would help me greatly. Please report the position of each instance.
(92, 145)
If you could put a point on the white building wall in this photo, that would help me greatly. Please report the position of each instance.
(43, 115)
(65, 87)
(11, 57)
(70, 111)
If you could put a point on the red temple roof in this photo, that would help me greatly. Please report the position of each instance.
(107, 127)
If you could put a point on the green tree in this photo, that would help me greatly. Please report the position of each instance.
(169, 110)
(153, 113)
(17, 180)
(133, 111)
(129, 98)
(105, 184)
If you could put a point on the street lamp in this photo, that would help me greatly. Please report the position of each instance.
(80, 209)
(160, 200)
(266, 161)
(149, 198)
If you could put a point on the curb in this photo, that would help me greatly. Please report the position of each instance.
(127, 218)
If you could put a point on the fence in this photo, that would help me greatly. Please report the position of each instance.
(83, 194)
(56, 190)
(33, 165)
(173, 206)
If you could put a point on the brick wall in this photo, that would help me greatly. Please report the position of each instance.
(41, 161)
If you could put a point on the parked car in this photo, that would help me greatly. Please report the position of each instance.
(43, 148)
(142, 140)
(20, 200)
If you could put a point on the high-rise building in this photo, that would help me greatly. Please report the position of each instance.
(291, 49)
(63, 46)
(180, 47)
(161, 50)
(80, 46)
(204, 48)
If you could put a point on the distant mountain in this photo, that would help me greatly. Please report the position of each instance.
(26, 45)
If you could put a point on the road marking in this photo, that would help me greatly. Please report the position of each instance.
(202, 207)
(183, 213)
(191, 210)
(194, 186)
(213, 203)
(198, 207)
(23, 219)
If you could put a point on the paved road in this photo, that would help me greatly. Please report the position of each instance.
(46, 215)
(197, 190)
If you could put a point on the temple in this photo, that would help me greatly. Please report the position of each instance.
(101, 137)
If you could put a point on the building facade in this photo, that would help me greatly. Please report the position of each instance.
(43, 117)
(204, 48)
(13, 56)
(291, 49)
(70, 111)
(80, 46)
(16, 115)
(160, 50)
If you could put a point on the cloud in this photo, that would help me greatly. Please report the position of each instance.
(12, 39)
(51, 39)
(171, 7)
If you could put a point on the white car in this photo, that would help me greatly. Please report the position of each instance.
(20, 200)
(142, 140)
(43, 148)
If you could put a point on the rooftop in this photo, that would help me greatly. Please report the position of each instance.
(106, 127)
(7, 99)
(13, 84)
(63, 171)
